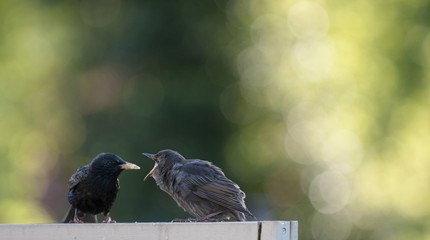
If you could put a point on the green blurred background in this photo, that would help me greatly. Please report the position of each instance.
(319, 110)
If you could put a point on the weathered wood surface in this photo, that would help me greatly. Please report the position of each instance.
(265, 230)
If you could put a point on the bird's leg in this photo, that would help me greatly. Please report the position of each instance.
(207, 218)
(181, 220)
(108, 219)
(75, 218)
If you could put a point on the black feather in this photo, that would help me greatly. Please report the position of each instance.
(94, 187)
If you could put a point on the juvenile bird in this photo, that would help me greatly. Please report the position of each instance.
(93, 188)
(199, 187)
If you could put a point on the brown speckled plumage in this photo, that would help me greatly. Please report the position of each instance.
(199, 187)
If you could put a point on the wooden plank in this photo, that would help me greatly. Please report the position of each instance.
(269, 230)
(294, 225)
(279, 230)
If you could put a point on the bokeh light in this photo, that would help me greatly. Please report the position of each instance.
(319, 110)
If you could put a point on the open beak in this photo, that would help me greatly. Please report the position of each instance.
(151, 156)
(128, 165)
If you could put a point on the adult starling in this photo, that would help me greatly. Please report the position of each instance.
(199, 187)
(93, 188)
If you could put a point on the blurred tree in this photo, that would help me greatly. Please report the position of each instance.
(319, 110)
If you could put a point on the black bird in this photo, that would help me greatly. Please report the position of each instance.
(199, 187)
(93, 188)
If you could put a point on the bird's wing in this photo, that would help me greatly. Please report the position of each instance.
(81, 173)
(209, 182)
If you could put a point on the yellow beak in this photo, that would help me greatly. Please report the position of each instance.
(128, 165)
(151, 156)
(151, 172)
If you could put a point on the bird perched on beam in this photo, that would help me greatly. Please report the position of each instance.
(93, 188)
(199, 187)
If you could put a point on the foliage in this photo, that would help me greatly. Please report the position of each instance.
(318, 109)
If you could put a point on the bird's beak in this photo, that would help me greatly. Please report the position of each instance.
(128, 165)
(151, 156)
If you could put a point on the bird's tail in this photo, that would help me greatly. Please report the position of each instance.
(85, 217)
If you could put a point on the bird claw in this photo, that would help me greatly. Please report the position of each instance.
(109, 220)
(207, 218)
(76, 220)
(181, 220)
(204, 219)
(211, 220)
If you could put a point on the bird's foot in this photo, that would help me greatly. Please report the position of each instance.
(205, 219)
(181, 220)
(76, 220)
(208, 218)
(196, 220)
(108, 220)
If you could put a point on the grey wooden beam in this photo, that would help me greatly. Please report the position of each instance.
(265, 230)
